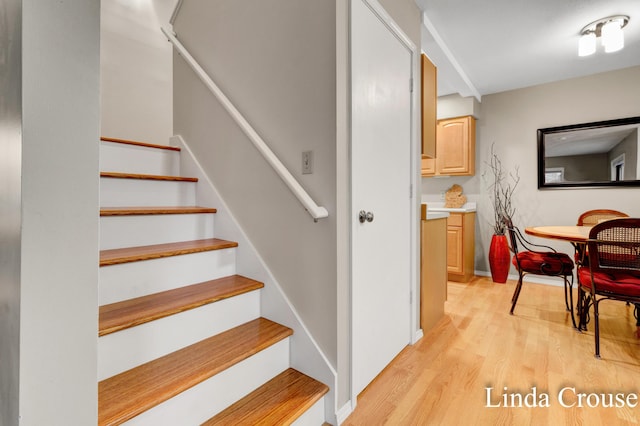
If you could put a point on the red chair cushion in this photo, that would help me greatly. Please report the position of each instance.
(544, 263)
(619, 282)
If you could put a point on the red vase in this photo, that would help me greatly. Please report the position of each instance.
(499, 259)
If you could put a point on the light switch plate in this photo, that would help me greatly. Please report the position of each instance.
(307, 162)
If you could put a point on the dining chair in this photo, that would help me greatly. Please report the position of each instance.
(539, 259)
(613, 270)
(593, 217)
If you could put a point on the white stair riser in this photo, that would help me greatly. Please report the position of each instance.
(135, 279)
(117, 157)
(142, 230)
(126, 349)
(116, 192)
(314, 416)
(198, 404)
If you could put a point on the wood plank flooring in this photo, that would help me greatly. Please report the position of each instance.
(119, 175)
(128, 394)
(137, 143)
(129, 313)
(442, 380)
(156, 210)
(280, 401)
(156, 251)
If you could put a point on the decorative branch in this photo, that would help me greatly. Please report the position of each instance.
(502, 188)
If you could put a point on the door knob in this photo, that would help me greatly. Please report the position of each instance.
(365, 216)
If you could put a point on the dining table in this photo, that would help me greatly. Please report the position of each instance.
(576, 235)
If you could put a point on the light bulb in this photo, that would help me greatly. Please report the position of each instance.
(612, 36)
(587, 44)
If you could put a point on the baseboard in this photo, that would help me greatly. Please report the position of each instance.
(344, 412)
(536, 279)
(417, 335)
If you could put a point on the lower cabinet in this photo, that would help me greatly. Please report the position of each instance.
(461, 246)
(433, 271)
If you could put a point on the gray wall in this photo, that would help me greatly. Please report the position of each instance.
(10, 193)
(594, 167)
(276, 62)
(628, 147)
(407, 15)
(49, 212)
(510, 120)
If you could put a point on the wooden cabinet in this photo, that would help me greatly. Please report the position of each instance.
(433, 270)
(429, 101)
(455, 148)
(460, 246)
(428, 166)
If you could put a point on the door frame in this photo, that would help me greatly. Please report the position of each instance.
(414, 187)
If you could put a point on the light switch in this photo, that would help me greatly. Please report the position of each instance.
(307, 162)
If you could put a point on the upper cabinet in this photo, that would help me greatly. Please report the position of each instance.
(429, 99)
(455, 147)
(448, 146)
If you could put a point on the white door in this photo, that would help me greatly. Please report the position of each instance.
(381, 176)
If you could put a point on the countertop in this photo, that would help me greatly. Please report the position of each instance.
(431, 215)
(428, 214)
(433, 207)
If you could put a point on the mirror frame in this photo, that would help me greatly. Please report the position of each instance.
(586, 184)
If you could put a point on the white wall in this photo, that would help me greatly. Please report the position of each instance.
(136, 70)
(59, 240)
(511, 119)
(455, 106)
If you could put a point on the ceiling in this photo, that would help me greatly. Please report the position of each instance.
(489, 46)
(587, 141)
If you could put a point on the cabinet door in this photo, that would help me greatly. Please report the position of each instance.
(429, 102)
(428, 166)
(454, 250)
(433, 273)
(456, 146)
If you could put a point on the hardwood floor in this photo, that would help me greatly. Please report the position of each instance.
(442, 380)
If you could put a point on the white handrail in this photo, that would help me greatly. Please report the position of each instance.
(317, 212)
(176, 9)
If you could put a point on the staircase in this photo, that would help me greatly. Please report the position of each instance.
(181, 339)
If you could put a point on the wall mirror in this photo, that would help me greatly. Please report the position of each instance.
(603, 153)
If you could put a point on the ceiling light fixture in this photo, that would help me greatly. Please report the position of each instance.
(610, 31)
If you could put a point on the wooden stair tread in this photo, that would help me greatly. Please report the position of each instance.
(156, 251)
(280, 401)
(132, 392)
(119, 175)
(137, 143)
(132, 211)
(132, 312)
